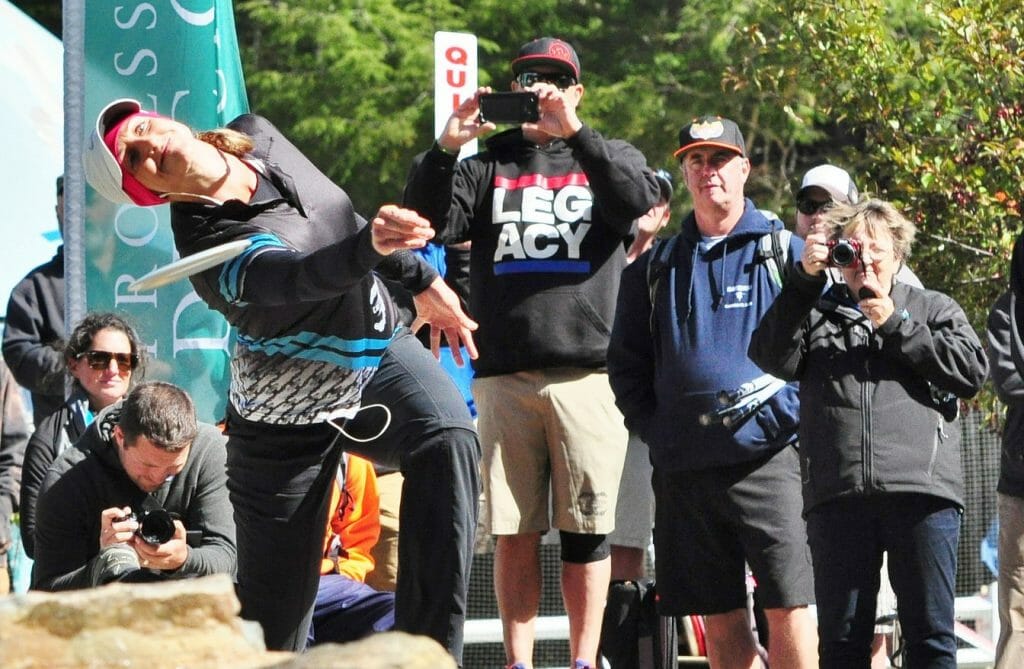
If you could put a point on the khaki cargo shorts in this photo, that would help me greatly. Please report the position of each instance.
(553, 447)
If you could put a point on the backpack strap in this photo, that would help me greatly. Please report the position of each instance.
(773, 250)
(657, 265)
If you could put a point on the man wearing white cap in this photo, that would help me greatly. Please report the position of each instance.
(821, 187)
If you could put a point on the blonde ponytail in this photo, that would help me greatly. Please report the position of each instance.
(229, 141)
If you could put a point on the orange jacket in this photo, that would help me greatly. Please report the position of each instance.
(353, 524)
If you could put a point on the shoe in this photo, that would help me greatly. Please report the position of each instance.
(517, 665)
(581, 664)
(113, 563)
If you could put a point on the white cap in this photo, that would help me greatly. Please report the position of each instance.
(833, 179)
(101, 168)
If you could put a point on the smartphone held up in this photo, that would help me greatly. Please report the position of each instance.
(513, 108)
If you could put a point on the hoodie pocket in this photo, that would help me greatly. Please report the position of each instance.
(780, 415)
(590, 314)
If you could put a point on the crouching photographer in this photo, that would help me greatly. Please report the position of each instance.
(881, 367)
(142, 496)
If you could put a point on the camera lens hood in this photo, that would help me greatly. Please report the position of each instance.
(156, 527)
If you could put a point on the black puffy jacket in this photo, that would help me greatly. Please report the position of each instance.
(1002, 339)
(878, 407)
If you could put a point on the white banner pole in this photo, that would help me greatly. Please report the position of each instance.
(455, 77)
(74, 174)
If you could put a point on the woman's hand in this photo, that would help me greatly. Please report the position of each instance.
(397, 229)
(873, 300)
(439, 307)
(814, 259)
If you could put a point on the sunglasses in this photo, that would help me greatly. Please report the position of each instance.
(100, 360)
(809, 207)
(561, 81)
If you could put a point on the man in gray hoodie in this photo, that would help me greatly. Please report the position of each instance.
(142, 496)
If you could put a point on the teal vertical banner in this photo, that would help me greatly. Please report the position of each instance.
(179, 58)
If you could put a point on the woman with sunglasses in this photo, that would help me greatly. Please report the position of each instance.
(321, 364)
(104, 358)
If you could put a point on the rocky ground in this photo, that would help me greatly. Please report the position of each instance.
(189, 624)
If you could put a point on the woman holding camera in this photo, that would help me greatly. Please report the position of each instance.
(104, 359)
(881, 366)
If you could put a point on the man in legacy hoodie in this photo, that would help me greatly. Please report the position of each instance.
(546, 206)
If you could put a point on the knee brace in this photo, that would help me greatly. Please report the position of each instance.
(584, 548)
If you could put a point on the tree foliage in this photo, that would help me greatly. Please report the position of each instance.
(919, 99)
(350, 81)
(933, 92)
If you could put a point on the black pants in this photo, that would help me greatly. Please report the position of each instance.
(279, 478)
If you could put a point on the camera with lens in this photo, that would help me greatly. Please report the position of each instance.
(155, 527)
(843, 252)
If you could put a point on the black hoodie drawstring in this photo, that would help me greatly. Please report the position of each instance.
(720, 289)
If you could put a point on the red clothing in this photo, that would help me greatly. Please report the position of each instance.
(353, 524)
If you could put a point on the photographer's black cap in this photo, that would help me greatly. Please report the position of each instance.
(711, 131)
(547, 51)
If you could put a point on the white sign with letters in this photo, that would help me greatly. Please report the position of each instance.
(455, 77)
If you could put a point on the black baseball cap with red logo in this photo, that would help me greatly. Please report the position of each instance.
(547, 51)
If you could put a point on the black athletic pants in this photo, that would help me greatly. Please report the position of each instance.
(279, 478)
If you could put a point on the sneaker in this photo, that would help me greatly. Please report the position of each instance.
(581, 664)
(517, 665)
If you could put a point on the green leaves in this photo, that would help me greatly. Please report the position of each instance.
(349, 81)
(920, 101)
(935, 91)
